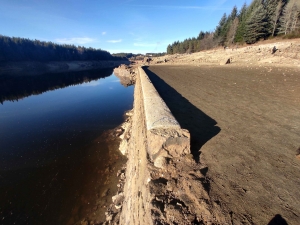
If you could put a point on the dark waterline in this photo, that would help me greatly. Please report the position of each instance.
(53, 159)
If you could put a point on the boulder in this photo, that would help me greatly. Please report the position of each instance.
(225, 61)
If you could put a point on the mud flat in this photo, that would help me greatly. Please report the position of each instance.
(244, 123)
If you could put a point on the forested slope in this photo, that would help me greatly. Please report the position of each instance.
(22, 49)
(261, 20)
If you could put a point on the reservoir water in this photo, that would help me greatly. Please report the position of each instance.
(56, 166)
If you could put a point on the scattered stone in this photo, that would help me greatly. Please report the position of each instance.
(225, 61)
(109, 217)
(122, 176)
(84, 222)
(105, 192)
(119, 173)
(119, 130)
(160, 162)
(123, 147)
(118, 206)
(118, 199)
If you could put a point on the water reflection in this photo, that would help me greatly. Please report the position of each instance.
(13, 88)
(55, 165)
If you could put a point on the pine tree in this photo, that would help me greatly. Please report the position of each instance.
(233, 13)
(220, 31)
(201, 35)
(274, 10)
(239, 36)
(256, 26)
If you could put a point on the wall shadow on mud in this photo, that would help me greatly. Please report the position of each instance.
(201, 127)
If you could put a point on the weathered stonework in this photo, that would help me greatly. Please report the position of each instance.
(165, 138)
(126, 74)
(156, 137)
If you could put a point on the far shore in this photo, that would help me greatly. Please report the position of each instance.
(38, 68)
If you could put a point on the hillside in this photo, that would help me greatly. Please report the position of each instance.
(287, 54)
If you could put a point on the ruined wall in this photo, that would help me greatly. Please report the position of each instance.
(156, 137)
(136, 206)
(126, 74)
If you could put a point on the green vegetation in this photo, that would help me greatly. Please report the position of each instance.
(123, 54)
(137, 56)
(261, 20)
(156, 54)
(21, 49)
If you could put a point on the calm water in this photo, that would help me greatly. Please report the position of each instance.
(52, 154)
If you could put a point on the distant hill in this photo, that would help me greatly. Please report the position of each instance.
(131, 55)
(126, 55)
(22, 49)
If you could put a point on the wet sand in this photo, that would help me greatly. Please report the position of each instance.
(245, 124)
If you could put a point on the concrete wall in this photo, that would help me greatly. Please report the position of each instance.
(155, 136)
(165, 138)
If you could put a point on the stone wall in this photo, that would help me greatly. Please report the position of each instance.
(155, 138)
(126, 74)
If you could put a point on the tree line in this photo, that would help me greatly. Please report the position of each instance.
(136, 56)
(260, 20)
(124, 54)
(22, 49)
(14, 88)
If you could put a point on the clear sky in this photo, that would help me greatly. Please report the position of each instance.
(135, 26)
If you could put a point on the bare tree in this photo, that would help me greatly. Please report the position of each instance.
(232, 31)
(290, 18)
(208, 42)
(295, 19)
(275, 18)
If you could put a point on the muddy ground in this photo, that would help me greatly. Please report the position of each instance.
(245, 135)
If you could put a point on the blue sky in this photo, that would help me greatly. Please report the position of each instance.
(135, 26)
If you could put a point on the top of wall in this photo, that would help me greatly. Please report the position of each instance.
(157, 113)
